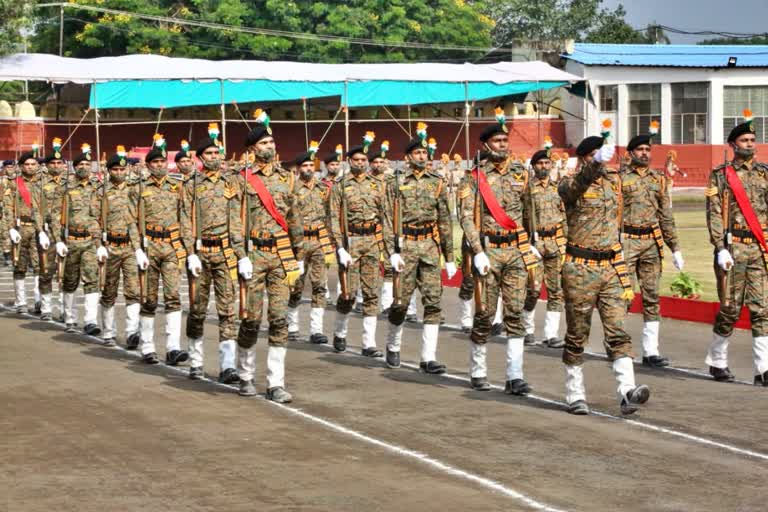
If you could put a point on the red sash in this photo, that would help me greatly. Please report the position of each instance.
(740, 195)
(266, 199)
(21, 186)
(495, 209)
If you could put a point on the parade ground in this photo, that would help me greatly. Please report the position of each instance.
(90, 428)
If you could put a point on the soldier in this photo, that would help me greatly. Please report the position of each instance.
(356, 218)
(493, 218)
(417, 207)
(159, 252)
(380, 171)
(594, 273)
(52, 191)
(737, 213)
(5, 223)
(647, 224)
(548, 231)
(117, 219)
(22, 203)
(332, 163)
(318, 250)
(274, 227)
(467, 288)
(184, 163)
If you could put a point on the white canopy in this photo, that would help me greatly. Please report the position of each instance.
(52, 68)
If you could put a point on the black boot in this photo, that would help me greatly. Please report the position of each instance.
(761, 380)
(634, 398)
(132, 343)
(655, 361)
(393, 359)
(174, 357)
(318, 339)
(432, 367)
(517, 387)
(721, 374)
(529, 339)
(496, 329)
(339, 344)
(150, 358)
(372, 352)
(480, 383)
(196, 373)
(92, 330)
(579, 408)
(229, 376)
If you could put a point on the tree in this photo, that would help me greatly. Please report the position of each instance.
(756, 40)
(441, 22)
(17, 22)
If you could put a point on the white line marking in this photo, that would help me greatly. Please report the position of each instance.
(397, 450)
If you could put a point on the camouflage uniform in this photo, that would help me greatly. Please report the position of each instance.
(425, 222)
(362, 195)
(312, 197)
(386, 287)
(748, 280)
(5, 219)
(510, 256)
(647, 223)
(52, 192)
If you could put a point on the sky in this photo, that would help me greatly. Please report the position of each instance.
(719, 15)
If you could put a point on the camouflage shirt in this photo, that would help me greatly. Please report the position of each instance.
(754, 178)
(549, 208)
(312, 197)
(119, 211)
(11, 197)
(592, 209)
(157, 201)
(646, 202)
(364, 202)
(82, 202)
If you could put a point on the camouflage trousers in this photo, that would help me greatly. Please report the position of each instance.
(386, 267)
(215, 272)
(644, 265)
(748, 286)
(549, 272)
(316, 270)
(422, 271)
(28, 252)
(363, 273)
(586, 287)
(81, 264)
(467, 289)
(45, 282)
(507, 276)
(162, 263)
(121, 260)
(269, 276)
(5, 239)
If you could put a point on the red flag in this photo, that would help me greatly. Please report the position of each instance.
(495, 209)
(740, 195)
(266, 198)
(21, 186)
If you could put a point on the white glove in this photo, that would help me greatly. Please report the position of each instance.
(301, 267)
(535, 252)
(605, 153)
(245, 268)
(15, 236)
(194, 264)
(397, 262)
(482, 263)
(45, 242)
(141, 259)
(102, 254)
(61, 249)
(724, 259)
(450, 269)
(344, 258)
(677, 259)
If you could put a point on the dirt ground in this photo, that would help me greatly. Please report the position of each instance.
(88, 428)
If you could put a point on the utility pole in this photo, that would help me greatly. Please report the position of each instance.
(61, 30)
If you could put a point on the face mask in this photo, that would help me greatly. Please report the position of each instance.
(158, 173)
(357, 169)
(743, 153)
(212, 165)
(418, 166)
(265, 155)
(497, 156)
(117, 178)
(307, 175)
(82, 173)
(640, 161)
(542, 174)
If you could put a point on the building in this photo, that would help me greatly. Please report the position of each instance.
(696, 92)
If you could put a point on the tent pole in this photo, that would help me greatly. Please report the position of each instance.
(61, 30)
(306, 126)
(410, 133)
(538, 116)
(466, 124)
(346, 115)
(96, 114)
(223, 119)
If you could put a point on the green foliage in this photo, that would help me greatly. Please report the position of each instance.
(685, 286)
(440, 22)
(16, 16)
(756, 40)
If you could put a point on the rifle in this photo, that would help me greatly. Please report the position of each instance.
(533, 284)
(65, 234)
(343, 277)
(397, 228)
(478, 217)
(142, 237)
(725, 277)
(104, 217)
(17, 223)
(245, 220)
(196, 231)
(43, 253)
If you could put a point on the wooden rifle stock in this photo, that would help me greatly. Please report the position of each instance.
(397, 298)
(477, 214)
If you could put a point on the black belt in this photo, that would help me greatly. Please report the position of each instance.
(638, 230)
(210, 242)
(743, 233)
(589, 254)
(363, 229)
(547, 232)
(79, 233)
(118, 239)
(421, 231)
(313, 233)
(495, 238)
(264, 243)
(27, 219)
(158, 233)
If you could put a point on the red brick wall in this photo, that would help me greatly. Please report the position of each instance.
(13, 133)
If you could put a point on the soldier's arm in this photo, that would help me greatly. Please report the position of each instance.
(132, 218)
(235, 221)
(295, 225)
(334, 224)
(444, 226)
(467, 195)
(185, 216)
(666, 218)
(561, 207)
(94, 217)
(715, 211)
(389, 211)
(571, 188)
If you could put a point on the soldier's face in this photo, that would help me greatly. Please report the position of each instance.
(499, 143)
(332, 168)
(358, 162)
(307, 170)
(29, 167)
(118, 173)
(545, 164)
(745, 141)
(378, 165)
(642, 154)
(158, 167)
(418, 158)
(184, 165)
(590, 157)
(265, 149)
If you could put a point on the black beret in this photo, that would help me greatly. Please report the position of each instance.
(26, 156)
(8, 162)
(56, 155)
(304, 157)
(259, 132)
(116, 160)
(357, 149)
(332, 157)
(493, 129)
(540, 155)
(133, 161)
(203, 145)
(639, 140)
(414, 144)
(589, 144)
(740, 130)
(82, 157)
(155, 153)
(181, 154)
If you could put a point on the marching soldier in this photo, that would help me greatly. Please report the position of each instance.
(159, 253)
(332, 163)
(594, 274)
(548, 231)
(22, 204)
(78, 242)
(312, 197)
(417, 207)
(118, 219)
(356, 218)
(737, 215)
(379, 168)
(52, 191)
(184, 163)
(467, 288)
(492, 216)
(647, 224)
(275, 259)
(5, 223)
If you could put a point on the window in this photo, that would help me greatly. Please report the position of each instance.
(644, 107)
(609, 97)
(479, 111)
(736, 99)
(689, 113)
